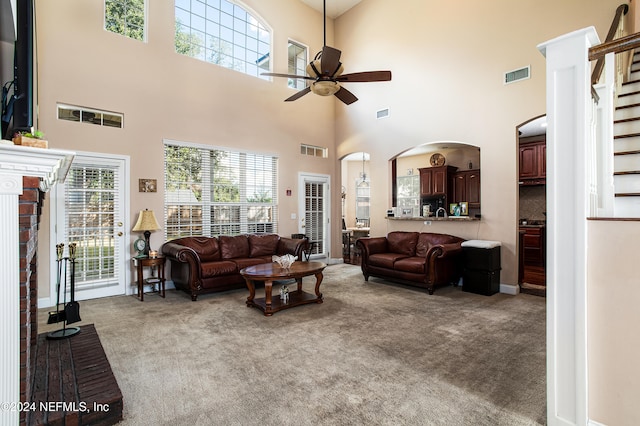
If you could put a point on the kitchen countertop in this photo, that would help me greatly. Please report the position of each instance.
(532, 223)
(437, 219)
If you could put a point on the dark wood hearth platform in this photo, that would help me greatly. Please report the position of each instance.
(73, 383)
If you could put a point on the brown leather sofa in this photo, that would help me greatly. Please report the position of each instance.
(423, 259)
(209, 264)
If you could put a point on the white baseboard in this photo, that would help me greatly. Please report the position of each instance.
(44, 302)
(509, 289)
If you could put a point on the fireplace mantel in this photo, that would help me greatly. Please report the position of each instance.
(50, 166)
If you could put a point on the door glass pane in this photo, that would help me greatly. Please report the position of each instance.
(91, 199)
(314, 215)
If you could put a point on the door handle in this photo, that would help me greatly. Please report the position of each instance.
(120, 234)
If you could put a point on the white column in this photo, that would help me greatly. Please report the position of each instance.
(10, 189)
(569, 110)
(50, 166)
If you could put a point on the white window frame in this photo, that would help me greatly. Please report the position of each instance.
(297, 65)
(201, 31)
(243, 208)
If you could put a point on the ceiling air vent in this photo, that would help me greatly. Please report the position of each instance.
(383, 113)
(517, 75)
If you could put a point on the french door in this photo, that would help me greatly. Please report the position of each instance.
(90, 209)
(314, 211)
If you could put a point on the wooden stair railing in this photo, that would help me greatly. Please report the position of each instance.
(610, 45)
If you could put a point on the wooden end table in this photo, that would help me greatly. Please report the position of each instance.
(270, 272)
(150, 262)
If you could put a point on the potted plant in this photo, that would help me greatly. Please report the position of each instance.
(33, 138)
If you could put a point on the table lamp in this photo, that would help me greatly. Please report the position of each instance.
(146, 223)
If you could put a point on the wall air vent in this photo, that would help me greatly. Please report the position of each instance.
(383, 113)
(517, 75)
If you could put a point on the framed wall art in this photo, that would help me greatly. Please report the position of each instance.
(147, 185)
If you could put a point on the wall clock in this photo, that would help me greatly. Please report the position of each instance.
(437, 159)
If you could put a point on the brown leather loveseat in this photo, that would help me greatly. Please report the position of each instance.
(423, 259)
(209, 264)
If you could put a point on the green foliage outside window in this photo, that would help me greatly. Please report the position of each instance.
(125, 17)
(186, 43)
(218, 192)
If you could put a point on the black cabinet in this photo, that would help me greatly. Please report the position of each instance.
(481, 261)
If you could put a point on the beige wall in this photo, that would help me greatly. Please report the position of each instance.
(448, 62)
(613, 295)
(166, 95)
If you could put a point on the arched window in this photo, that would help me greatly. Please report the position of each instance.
(222, 33)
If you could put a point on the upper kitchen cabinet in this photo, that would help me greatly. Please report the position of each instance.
(533, 161)
(435, 180)
(465, 187)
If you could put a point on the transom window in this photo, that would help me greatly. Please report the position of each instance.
(213, 192)
(223, 33)
(125, 17)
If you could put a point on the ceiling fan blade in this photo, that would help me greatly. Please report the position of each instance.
(298, 95)
(365, 76)
(330, 60)
(275, 74)
(346, 96)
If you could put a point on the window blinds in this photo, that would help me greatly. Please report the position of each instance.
(211, 191)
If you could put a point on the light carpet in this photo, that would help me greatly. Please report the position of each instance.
(373, 353)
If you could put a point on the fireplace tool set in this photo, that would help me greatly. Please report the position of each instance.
(70, 312)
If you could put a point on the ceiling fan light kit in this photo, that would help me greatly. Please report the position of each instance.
(325, 88)
(326, 72)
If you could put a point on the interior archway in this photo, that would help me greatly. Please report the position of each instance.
(532, 205)
(408, 196)
(356, 201)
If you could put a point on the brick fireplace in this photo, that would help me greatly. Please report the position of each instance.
(26, 174)
(29, 210)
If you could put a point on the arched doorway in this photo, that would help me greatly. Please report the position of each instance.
(532, 205)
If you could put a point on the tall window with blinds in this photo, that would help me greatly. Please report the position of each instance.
(211, 191)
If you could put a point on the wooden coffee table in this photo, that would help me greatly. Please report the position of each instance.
(270, 272)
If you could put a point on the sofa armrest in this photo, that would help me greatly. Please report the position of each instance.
(444, 250)
(442, 261)
(372, 245)
(187, 256)
(294, 246)
(180, 253)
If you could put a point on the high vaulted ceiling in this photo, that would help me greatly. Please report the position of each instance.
(335, 8)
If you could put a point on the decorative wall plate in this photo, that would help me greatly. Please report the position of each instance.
(437, 159)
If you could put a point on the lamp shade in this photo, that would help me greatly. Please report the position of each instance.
(146, 221)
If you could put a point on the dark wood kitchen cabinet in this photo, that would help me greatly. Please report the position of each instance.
(533, 246)
(465, 186)
(533, 163)
(434, 181)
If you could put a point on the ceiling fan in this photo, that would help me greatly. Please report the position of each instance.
(326, 72)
